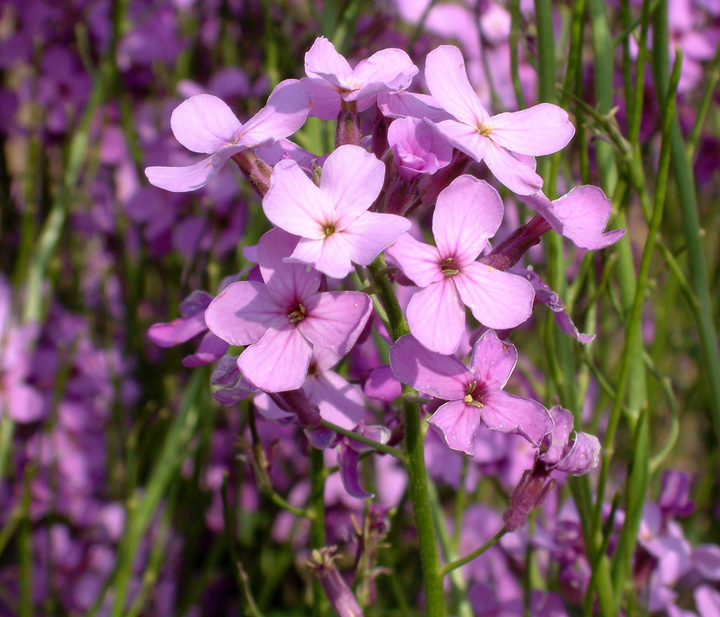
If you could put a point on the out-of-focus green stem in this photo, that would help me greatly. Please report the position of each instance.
(380, 447)
(453, 565)
(316, 505)
(687, 202)
(713, 75)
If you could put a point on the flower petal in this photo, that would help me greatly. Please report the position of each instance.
(457, 423)
(348, 461)
(278, 361)
(177, 331)
(513, 414)
(468, 212)
(541, 129)
(329, 255)
(386, 70)
(340, 402)
(420, 262)
(448, 83)
(295, 204)
(493, 360)
(210, 349)
(182, 179)
(324, 60)
(371, 233)
(519, 177)
(436, 316)
(335, 319)
(584, 212)
(499, 300)
(284, 113)
(242, 312)
(204, 123)
(427, 371)
(351, 180)
(465, 138)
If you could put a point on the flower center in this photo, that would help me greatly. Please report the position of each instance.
(298, 314)
(474, 395)
(484, 130)
(329, 229)
(449, 267)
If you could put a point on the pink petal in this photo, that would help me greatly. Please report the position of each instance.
(448, 83)
(467, 214)
(371, 233)
(584, 212)
(545, 208)
(418, 261)
(242, 313)
(330, 255)
(335, 319)
(182, 179)
(583, 456)
(519, 177)
(278, 361)
(177, 331)
(542, 129)
(340, 402)
(436, 316)
(287, 283)
(284, 113)
(351, 194)
(348, 462)
(513, 414)
(457, 423)
(211, 348)
(382, 384)
(465, 138)
(204, 123)
(295, 204)
(499, 300)
(493, 360)
(24, 403)
(427, 371)
(563, 421)
(404, 104)
(323, 59)
(325, 98)
(386, 70)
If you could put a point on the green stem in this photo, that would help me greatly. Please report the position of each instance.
(453, 565)
(683, 173)
(316, 505)
(380, 447)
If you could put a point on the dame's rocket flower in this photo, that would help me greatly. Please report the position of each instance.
(332, 220)
(542, 129)
(331, 79)
(468, 212)
(283, 319)
(204, 123)
(472, 394)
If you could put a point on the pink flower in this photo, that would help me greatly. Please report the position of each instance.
(282, 319)
(332, 220)
(502, 141)
(468, 212)
(472, 394)
(204, 123)
(332, 80)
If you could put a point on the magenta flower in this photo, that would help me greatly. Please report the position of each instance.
(498, 140)
(472, 394)
(332, 220)
(282, 319)
(418, 147)
(580, 215)
(468, 212)
(331, 79)
(204, 123)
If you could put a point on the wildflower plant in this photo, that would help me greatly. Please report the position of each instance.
(374, 411)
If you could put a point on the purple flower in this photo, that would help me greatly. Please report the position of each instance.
(575, 455)
(189, 324)
(331, 79)
(472, 394)
(468, 212)
(419, 148)
(580, 216)
(332, 220)
(542, 129)
(284, 318)
(204, 123)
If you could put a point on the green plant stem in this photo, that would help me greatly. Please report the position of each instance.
(316, 505)
(687, 202)
(380, 447)
(453, 565)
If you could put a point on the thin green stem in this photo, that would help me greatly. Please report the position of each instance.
(380, 447)
(458, 563)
